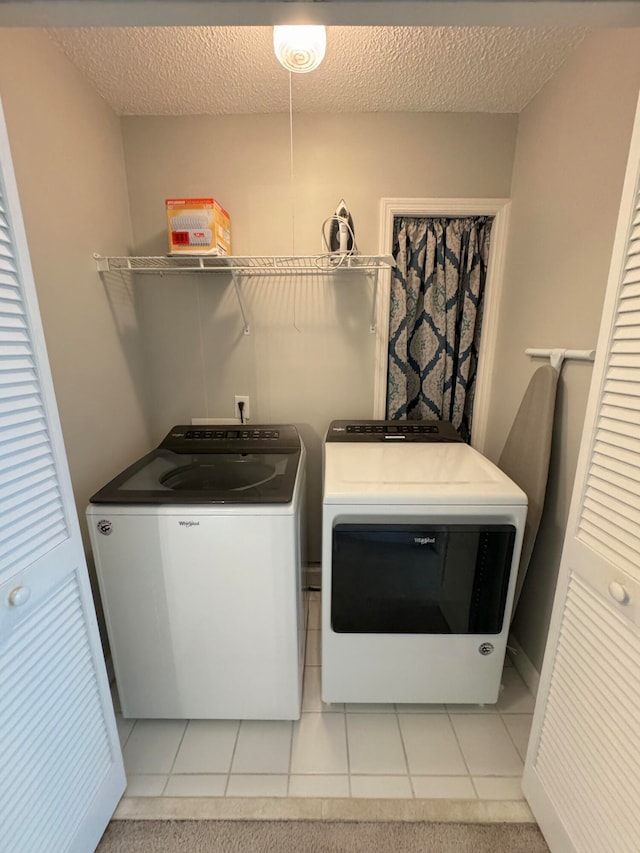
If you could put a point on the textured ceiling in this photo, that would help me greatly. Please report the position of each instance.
(221, 70)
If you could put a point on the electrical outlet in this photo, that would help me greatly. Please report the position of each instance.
(242, 398)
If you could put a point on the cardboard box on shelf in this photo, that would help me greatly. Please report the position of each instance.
(198, 226)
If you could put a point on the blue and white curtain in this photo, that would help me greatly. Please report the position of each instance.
(435, 320)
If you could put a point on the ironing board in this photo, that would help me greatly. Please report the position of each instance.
(525, 456)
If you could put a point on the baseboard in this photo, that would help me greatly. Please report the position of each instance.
(523, 665)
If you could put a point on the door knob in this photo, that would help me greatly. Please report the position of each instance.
(19, 596)
(618, 592)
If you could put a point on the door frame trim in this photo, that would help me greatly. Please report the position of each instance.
(500, 209)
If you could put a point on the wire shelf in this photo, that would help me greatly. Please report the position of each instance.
(253, 265)
(262, 265)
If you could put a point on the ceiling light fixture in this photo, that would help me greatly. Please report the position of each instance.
(299, 48)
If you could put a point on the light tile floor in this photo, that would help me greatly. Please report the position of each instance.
(358, 751)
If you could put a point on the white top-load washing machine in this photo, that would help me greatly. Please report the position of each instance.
(198, 556)
(421, 541)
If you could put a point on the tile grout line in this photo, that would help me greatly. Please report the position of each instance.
(126, 740)
(490, 775)
(516, 713)
(464, 757)
(346, 738)
(475, 787)
(406, 757)
(304, 676)
(293, 722)
(504, 725)
(233, 755)
(175, 758)
(515, 745)
(122, 746)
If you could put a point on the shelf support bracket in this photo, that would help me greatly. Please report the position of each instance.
(235, 275)
(102, 264)
(373, 325)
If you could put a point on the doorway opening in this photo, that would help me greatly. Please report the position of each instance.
(390, 210)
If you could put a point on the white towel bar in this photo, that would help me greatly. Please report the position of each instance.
(557, 356)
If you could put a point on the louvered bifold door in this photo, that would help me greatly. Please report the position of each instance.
(610, 517)
(61, 771)
(32, 517)
(582, 774)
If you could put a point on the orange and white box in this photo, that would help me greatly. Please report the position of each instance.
(198, 226)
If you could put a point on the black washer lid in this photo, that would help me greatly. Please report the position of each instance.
(212, 464)
(398, 432)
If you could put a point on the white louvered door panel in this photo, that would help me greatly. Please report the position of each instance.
(56, 747)
(32, 518)
(61, 772)
(589, 750)
(610, 517)
(582, 773)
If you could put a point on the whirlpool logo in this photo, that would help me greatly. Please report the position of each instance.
(189, 523)
(424, 540)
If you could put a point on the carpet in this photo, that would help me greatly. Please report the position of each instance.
(263, 836)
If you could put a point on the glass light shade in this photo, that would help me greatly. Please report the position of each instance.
(300, 48)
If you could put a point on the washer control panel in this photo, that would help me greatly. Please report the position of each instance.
(232, 434)
(230, 438)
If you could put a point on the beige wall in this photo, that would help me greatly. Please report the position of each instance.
(572, 146)
(67, 152)
(310, 356)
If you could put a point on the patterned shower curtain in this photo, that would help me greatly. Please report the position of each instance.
(437, 293)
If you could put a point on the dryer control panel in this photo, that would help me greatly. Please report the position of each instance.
(392, 431)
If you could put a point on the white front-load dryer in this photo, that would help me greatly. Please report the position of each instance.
(198, 557)
(421, 541)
